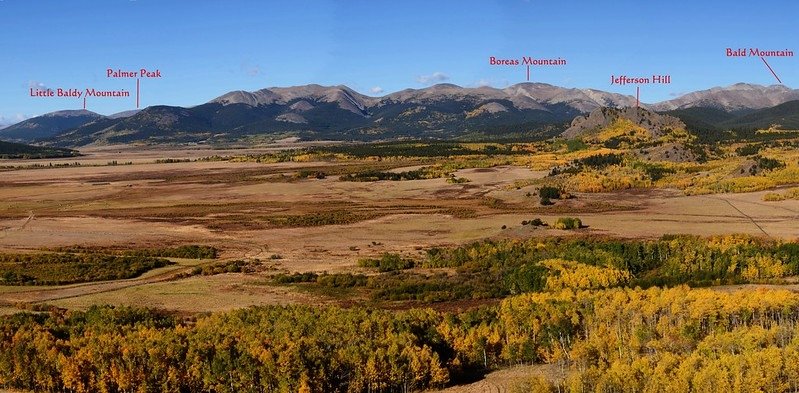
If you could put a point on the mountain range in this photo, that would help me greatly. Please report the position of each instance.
(47, 125)
(740, 97)
(440, 111)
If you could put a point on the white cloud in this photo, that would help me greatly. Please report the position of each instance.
(6, 121)
(37, 85)
(376, 90)
(491, 83)
(433, 78)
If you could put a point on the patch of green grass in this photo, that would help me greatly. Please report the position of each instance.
(68, 268)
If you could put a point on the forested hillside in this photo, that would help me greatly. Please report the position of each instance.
(677, 339)
(576, 309)
(19, 150)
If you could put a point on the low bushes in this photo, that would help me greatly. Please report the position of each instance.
(566, 223)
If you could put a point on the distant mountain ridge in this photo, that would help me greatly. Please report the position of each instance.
(443, 111)
(120, 115)
(535, 96)
(47, 125)
(338, 112)
(345, 97)
(738, 97)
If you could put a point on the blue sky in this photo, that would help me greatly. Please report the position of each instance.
(205, 48)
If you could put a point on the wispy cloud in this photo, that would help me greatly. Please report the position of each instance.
(491, 83)
(36, 85)
(6, 121)
(436, 77)
(376, 90)
(250, 69)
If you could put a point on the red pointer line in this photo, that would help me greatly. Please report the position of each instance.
(137, 93)
(637, 95)
(528, 73)
(84, 103)
(769, 68)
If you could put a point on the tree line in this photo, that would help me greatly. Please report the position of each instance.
(70, 268)
(621, 339)
(500, 268)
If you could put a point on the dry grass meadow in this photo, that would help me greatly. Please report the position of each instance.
(250, 210)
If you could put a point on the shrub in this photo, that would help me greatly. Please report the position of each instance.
(549, 192)
(375, 175)
(567, 223)
(236, 266)
(387, 262)
(342, 280)
(769, 163)
(311, 174)
(575, 145)
(537, 222)
(600, 161)
(191, 251)
(295, 278)
(656, 172)
(773, 197)
(70, 268)
(748, 150)
(457, 180)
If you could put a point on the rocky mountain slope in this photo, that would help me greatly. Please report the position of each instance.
(657, 125)
(443, 111)
(649, 135)
(338, 112)
(735, 98)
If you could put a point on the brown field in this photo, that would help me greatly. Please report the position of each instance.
(248, 210)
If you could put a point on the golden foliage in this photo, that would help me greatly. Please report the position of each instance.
(764, 267)
(773, 197)
(569, 274)
(610, 179)
(792, 193)
(661, 340)
(620, 129)
(722, 174)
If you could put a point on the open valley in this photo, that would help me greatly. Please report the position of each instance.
(241, 207)
(399, 197)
